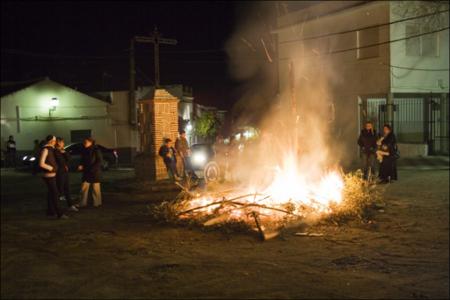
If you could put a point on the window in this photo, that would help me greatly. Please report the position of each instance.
(365, 38)
(413, 44)
(77, 136)
(423, 45)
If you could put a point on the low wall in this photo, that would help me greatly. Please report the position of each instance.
(412, 150)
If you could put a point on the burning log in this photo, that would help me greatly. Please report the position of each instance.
(215, 203)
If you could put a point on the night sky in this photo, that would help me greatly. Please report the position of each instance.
(85, 44)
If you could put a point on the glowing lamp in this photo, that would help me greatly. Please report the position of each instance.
(54, 102)
(199, 158)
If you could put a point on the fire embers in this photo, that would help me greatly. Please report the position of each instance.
(288, 198)
(283, 203)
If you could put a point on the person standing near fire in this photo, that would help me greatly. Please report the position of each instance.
(62, 175)
(182, 149)
(91, 166)
(168, 154)
(387, 155)
(367, 142)
(47, 163)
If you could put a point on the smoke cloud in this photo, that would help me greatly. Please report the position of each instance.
(295, 121)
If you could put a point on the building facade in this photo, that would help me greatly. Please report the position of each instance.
(379, 61)
(34, 110)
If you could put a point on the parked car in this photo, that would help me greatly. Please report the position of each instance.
(110, 157)
(29, 160)
(204, 159)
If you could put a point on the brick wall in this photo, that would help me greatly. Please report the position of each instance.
(159, 120)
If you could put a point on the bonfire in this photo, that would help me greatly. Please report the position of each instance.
(290, 174)
(289, 198)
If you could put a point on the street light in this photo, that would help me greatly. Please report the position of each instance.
(54, 102)
(189, 127)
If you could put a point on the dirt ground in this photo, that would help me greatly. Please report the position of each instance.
(117, 252)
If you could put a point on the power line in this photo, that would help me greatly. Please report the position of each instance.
(124, 56)
(362, 28)
(372, 45)
(57, 56)
(415, 69)
(221, 61)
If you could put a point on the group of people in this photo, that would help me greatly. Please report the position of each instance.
(382, 148)
(177, 159)
(54, 164)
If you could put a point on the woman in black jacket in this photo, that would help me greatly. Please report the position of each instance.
(47, 163)
(62, 175)
(91, 166)
(387, 155)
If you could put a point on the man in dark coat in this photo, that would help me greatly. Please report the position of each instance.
(168, 153)
(367, 142)
(91, 166)
(182, 147)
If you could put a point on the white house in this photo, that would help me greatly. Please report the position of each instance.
(384, 61)
(32, 110)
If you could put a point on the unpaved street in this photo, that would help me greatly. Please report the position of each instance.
(117, 252)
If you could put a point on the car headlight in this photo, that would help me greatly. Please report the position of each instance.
(32, 158)
(199, 158)
(25, 157)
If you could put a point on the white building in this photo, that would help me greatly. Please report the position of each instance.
(384, 61)
(32, 110)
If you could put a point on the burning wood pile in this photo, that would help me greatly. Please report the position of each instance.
(289, 199)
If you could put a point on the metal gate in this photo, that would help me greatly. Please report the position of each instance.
(437, 116)
(417, 118)
(376, 112)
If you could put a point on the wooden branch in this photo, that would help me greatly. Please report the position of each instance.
(185, 189)
(245, 205)
(258, 225)
(215, 203)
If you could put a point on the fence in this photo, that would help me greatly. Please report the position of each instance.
(419, 118)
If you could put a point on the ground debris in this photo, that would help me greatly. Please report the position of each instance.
(311, 234)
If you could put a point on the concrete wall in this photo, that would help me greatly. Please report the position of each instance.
(412, 150)
(419, 81)
(76, 111)
(126, 137)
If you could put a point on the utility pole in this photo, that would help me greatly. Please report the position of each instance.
(156, 39)
(131, 93)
